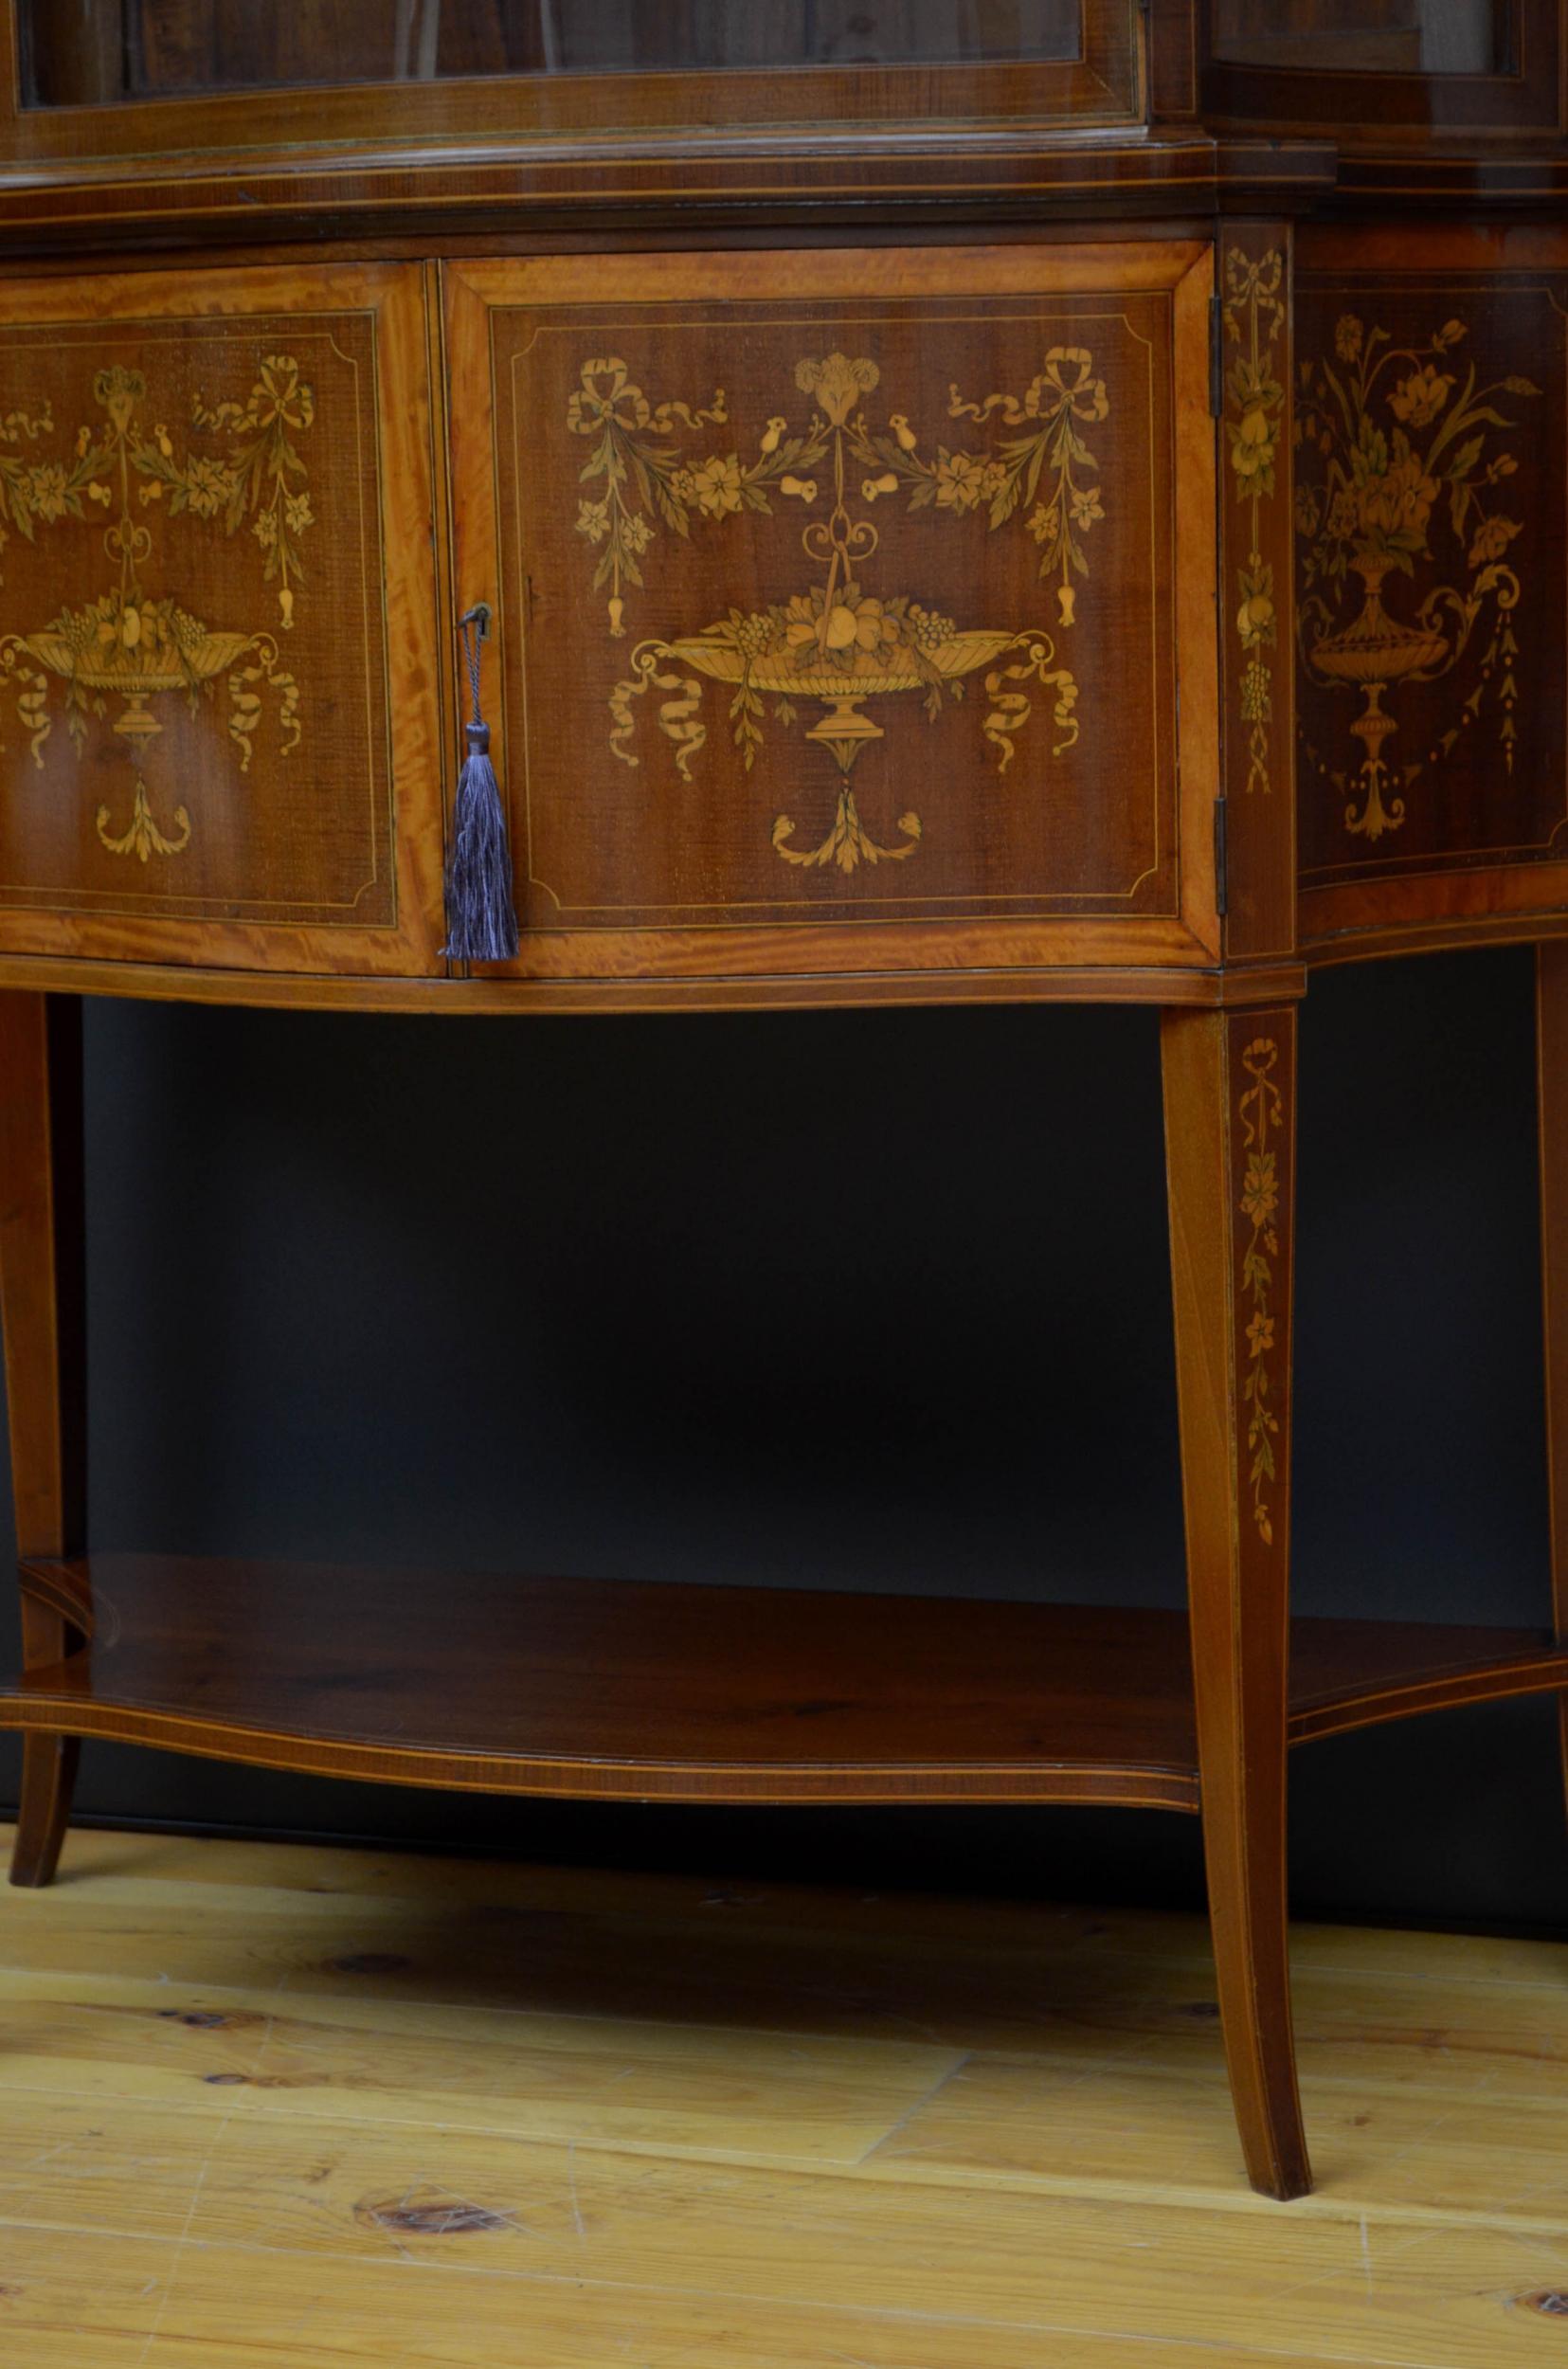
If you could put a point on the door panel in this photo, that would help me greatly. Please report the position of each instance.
(218, 703)
(842, 600)
(1431, 522)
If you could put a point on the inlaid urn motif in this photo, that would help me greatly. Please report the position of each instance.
(243, 464)
(1402, 475)
(843, 642)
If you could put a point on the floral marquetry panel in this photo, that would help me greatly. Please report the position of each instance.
(1431, 527)
(849, 591)
(210, 606)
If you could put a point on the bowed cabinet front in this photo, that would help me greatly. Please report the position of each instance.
(219, 725)
(855, 609)
(854, 613)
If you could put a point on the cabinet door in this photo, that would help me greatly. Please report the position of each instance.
(842, 600)
(1431, 522)
(218, 707)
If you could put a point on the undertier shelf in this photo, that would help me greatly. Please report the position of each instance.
(632, 1690)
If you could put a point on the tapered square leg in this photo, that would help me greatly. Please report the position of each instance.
(43, 1306)
(1229, 1090)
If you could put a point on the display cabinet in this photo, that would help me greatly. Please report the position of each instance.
(1019, 501)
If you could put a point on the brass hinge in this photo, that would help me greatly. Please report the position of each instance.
(1216, 358)
(1220, 854)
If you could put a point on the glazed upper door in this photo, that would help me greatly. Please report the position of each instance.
(219, 737)
(103, 78)
(1431, 525)
(843, 603)
(1384, 68)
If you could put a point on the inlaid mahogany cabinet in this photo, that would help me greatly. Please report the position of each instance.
(1049, 499)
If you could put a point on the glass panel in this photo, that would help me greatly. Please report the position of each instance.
(1364, 36)
(95, 50)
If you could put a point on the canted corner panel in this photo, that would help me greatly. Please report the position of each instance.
(1431, 520)
(195, 656)
(854, 609)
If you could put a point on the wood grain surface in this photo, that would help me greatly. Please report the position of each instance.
(640, 1691)
(342, 2107)
(619, 1689)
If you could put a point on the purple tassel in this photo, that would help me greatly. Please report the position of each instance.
(482, 920)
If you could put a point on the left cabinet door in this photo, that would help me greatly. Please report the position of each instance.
(219, 712)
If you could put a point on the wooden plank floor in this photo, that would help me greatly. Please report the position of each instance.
(274, 2108)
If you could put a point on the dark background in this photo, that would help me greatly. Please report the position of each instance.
(866, 1299)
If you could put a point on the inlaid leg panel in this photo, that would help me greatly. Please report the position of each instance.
(1229, 1080)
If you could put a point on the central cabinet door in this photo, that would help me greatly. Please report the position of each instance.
(851, 606)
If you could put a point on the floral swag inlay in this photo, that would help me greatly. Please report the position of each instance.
(838, 642)
(1411, 486)
(125, 645)
(1262, 1113)
(1253, 317)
